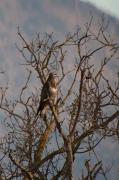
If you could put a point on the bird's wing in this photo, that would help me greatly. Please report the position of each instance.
(45, 92)
(44, 97)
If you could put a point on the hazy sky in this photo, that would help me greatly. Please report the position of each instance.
(109, 6)
(58, 16)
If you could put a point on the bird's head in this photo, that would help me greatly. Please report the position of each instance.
(53, 77)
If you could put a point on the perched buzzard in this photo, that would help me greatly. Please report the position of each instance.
(48, 93)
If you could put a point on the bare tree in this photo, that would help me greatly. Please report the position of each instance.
(85, 112)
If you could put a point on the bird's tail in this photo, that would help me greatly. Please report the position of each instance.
(41, 108)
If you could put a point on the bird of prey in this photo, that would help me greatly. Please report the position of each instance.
(48, 93)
